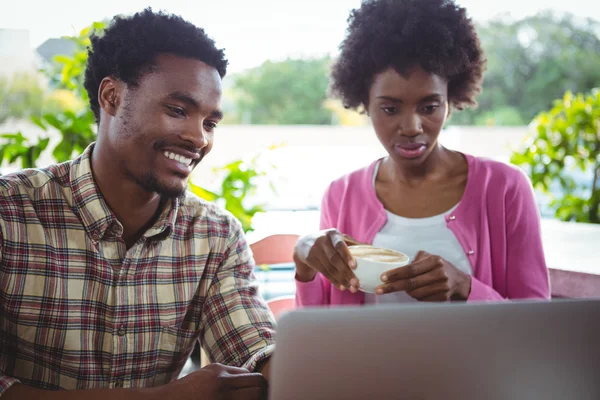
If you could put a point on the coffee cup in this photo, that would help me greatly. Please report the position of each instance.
(372, 262)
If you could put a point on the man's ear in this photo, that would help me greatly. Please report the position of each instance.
(110, 94)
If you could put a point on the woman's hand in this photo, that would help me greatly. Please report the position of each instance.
(427, 278)
(326, 252)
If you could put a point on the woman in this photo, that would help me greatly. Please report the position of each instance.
(470, 225)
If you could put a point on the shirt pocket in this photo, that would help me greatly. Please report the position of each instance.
(175, 347)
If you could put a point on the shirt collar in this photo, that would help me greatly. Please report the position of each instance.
(95, 214)
(165, 222)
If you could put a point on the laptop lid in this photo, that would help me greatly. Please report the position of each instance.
(517, 350)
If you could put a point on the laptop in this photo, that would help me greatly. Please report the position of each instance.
(486, 351)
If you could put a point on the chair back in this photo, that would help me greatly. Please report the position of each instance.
(274, 249)
(279, 305)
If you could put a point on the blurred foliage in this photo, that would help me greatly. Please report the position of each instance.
(17, 147)
(531, 62)
(562, 156)
(21, 97)
(236, 190)
(68, 70)
(506, 116)
(75, 124)
(289, 92)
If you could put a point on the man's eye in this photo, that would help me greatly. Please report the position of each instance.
(210, 125)
(177, 111)
(389, 110)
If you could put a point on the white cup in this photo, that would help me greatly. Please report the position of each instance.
(372, 262)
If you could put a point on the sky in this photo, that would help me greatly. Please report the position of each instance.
(250, 31)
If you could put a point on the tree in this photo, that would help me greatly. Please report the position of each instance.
(286, 92)
(530, 63)
(563, 156)
(20, 97)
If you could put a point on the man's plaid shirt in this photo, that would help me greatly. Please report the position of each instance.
(78, 310)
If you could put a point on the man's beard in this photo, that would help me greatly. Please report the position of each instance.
(151, 184)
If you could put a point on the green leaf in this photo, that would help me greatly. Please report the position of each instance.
(98, 26)
(43, 144)
(53, 121)
(28, 157)
(38, 122)
(203, 193)
(62, 59)
(15, 156)
(63, 151)
(18, 137)
(85, 31)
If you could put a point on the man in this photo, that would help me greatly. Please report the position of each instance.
(109, 271)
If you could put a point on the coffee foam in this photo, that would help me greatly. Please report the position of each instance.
(377, 254)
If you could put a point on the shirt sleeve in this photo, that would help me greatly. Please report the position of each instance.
(238, 326)
(5, 381)
(1, 241)
(526, 269)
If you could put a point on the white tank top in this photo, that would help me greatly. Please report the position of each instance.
(409, 236)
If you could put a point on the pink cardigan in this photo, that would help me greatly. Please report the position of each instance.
(497, 224)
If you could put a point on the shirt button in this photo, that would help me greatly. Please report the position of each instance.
(122, 331)
(471, 252)
(119, 383)
(452, 217)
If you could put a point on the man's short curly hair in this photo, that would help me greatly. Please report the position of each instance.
(436, 35)
(128, 47)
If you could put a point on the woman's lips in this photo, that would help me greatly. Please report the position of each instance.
(411, 150)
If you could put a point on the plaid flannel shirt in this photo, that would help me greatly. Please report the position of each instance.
(79, 310)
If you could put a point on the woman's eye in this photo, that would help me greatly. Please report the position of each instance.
(430, 108)
(389, 110)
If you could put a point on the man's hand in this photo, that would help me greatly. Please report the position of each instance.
(213, 382)
(265, 369)
(428, 278)
(218, 382)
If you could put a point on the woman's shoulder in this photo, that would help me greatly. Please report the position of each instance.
(351, 205)
(358, 179)
(492, 173)
(500, 185)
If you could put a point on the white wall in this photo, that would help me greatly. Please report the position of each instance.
(315, 155)
(312, 156)
(16, 54)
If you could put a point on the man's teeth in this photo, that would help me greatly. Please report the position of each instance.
(178, 158)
